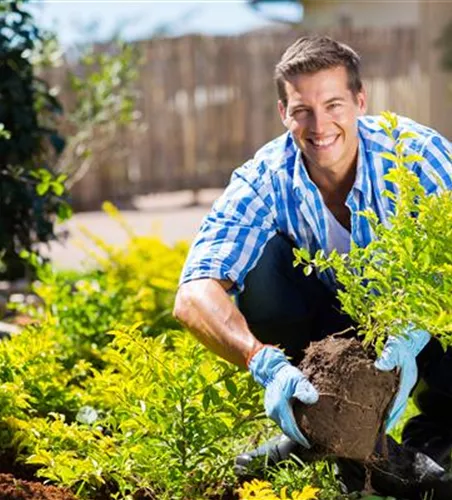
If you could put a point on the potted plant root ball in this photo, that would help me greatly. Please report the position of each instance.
(353, 399)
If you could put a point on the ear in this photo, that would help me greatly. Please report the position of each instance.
(282, 113)
(361, 101)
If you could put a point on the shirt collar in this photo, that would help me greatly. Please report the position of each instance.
(362, 179)
(301, 180)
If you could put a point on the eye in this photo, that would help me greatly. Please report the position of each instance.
(334, 105)
(299, 113)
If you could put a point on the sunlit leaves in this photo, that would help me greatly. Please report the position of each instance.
(161, 412)
(404, 276)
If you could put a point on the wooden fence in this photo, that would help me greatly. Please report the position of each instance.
(210, 102)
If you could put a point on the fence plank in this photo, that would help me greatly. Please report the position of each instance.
(210, 102)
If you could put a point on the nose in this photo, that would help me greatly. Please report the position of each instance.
(319, 121)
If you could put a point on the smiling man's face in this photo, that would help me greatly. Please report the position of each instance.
(322, 115)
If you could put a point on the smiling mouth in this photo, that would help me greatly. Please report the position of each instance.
(322, 143)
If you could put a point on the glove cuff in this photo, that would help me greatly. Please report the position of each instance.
(253, 352)
(264, 364)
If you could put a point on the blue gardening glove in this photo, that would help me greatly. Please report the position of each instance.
(282, 382)
(400, 352)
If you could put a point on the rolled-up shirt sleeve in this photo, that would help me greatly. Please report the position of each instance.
(233, 235)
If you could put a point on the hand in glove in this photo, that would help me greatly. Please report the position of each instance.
(400, 352)
(282, 382)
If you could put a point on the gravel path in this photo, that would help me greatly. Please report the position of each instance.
(168, 216)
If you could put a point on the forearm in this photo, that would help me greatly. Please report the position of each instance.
(206, 309)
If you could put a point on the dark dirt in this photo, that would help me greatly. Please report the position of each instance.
(18, 489)
(18, 482)
(354, 397)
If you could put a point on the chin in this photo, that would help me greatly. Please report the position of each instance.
(323, 163)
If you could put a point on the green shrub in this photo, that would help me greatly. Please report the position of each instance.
(136, 283)
(164, 415)
(403, 278)
(31, 195)
(140, 408)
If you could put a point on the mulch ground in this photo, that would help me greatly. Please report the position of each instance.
(19, 489)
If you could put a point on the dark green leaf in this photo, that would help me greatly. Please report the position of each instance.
(231, 387)
(206, 400)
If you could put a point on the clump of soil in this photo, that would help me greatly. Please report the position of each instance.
(353, 399)
(18, 489)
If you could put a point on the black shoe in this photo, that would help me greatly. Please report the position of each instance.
(253, 463)
(397, 471)
(433, 437)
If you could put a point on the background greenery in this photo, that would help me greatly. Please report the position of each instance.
(44, 149)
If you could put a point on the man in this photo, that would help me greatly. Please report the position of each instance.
(306, 189)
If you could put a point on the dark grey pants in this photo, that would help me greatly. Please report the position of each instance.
(284, 307)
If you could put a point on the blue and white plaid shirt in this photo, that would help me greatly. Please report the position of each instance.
(273, 193)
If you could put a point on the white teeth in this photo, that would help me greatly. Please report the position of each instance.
(324, 142)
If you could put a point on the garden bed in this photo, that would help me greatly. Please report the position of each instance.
(12, 488)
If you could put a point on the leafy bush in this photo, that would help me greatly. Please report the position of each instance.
(36, 167)
(162, 416)
(100, 100)
(36, 379)
(143, 408)
(33, 367)
(132, 284)
(30, 194)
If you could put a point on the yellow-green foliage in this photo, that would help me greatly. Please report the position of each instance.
(404, 276)
(136, 283)
(99, 404)
(34, 378)
(147, 268)
(263, 490)
(163, 415)
(149, 409)
(143, 407)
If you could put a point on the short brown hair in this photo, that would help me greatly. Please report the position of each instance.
(310, 54)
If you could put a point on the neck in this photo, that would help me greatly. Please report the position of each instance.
(334, 183)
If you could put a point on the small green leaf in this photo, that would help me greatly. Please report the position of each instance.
(385, 128)
(389, 156)
(206, 400)
(64, 212)
(61, 178)
(44, 174)
(399, 147)
(409, 245)
(231, 387)
(42, 188)
(301, 254)
(4, 134)
(215, 396)
(408, 135)
(413, 158)
(389, 194)
(58, 188)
